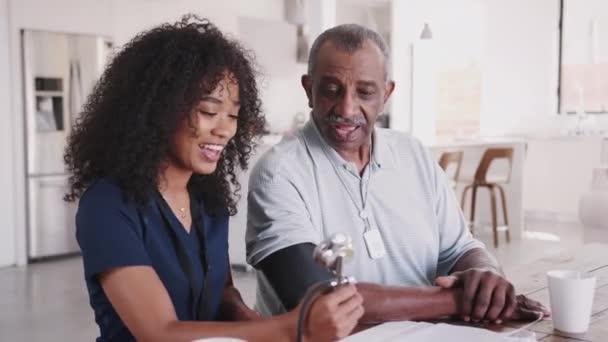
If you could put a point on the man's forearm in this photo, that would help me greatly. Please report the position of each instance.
(391, 303)
(476, 258)
(381, 303)
(394, 303)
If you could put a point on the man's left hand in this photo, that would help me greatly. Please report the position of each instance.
(486, 295)
(528, 309)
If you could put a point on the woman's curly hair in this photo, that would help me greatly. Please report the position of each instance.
(148, 89)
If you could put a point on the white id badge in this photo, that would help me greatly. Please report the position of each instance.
(374, 244)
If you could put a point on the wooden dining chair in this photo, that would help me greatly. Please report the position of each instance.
(451, 158)
(492, 183)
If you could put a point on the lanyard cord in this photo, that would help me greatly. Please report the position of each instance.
(362, 211)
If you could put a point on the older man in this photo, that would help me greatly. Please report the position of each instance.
(341, 174)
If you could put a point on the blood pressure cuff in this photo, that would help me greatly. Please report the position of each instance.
(291, 271)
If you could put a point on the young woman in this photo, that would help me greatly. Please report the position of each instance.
(153, 162)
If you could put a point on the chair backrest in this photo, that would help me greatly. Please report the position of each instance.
(490, 155)
(448, 158)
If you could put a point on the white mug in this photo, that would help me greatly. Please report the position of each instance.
(571, 296)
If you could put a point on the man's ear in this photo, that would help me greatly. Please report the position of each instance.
(307, 85)
(390, 86)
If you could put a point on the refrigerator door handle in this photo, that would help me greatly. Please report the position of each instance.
(75, 90)
(52, 184)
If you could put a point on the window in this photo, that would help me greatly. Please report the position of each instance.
(583, 56)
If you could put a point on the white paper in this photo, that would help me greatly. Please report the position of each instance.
(418, 332)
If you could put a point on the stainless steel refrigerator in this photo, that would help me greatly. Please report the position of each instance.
(59, 71)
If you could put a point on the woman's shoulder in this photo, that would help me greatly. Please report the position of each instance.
(102, 189)
(105, 203)
(105, 194)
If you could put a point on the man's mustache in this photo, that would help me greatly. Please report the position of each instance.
(357, 120)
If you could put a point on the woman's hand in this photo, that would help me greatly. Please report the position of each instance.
(334, 315)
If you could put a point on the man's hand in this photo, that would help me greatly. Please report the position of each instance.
(528, 309)
(486, 295)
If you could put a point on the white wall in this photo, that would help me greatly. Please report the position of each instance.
(7, 204)
(458, 39)
(281, 94)
(132, 16)
(558, 172)
(519, 87)
(517, 43)
(347, 13)
(403, 26)
(519, 91)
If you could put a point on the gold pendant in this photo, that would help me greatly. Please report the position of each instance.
(182, 212)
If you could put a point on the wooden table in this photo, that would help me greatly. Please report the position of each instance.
(531, 280)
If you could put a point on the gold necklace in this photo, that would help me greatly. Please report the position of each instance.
(182, 212)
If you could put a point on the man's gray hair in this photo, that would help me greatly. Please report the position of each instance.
(349, 38)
